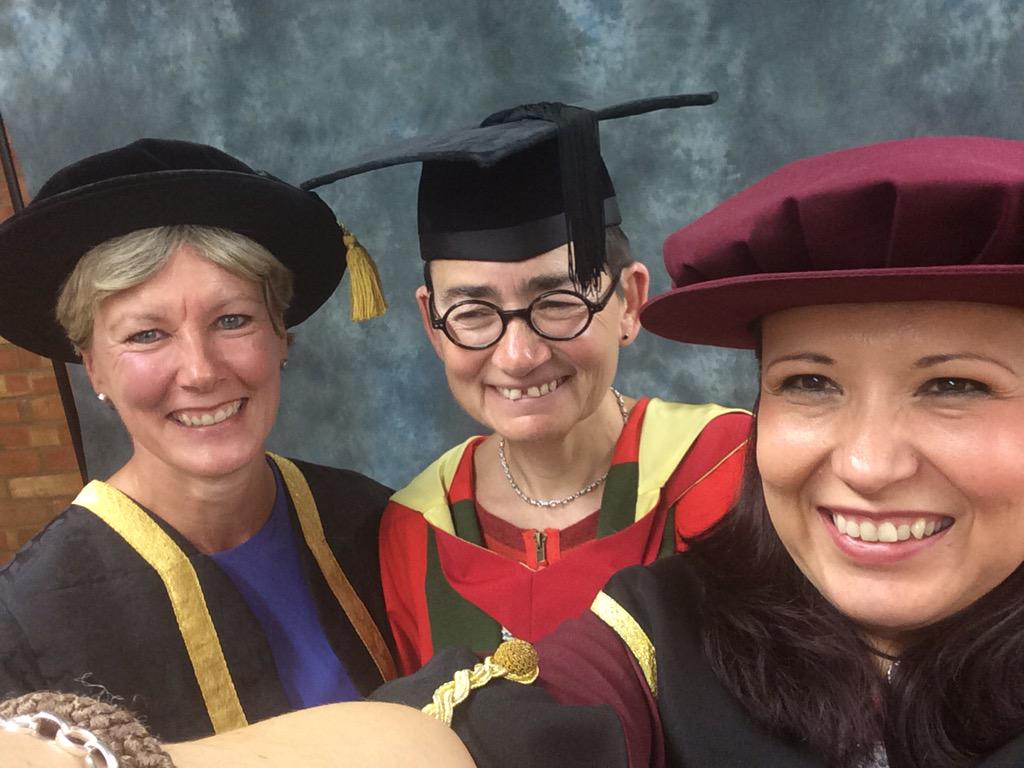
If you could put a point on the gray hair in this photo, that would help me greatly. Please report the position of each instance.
(129, 260)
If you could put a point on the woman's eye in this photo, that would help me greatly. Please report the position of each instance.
(954, 386)
(808, 382)
(145, 337)
(233, 322)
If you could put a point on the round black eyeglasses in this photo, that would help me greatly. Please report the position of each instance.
(556, 315)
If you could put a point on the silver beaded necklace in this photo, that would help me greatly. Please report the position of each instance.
(547, 503)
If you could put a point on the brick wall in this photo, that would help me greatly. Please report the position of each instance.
(38, 470)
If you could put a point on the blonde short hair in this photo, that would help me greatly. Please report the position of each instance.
(129, 260)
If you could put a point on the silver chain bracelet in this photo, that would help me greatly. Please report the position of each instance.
(70, 738)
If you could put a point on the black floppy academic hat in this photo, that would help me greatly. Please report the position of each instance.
(152, 183)
(525, 181)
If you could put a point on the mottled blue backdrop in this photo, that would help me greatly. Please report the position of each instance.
(301, 87)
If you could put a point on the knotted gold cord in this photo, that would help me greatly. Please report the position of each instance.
(514, 660)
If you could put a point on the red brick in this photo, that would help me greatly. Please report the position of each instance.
(48, 408)
(45, 486)
(32, 361)
(16, 436)
(19, 463)
(9, 412)
(9, 358)
(56, 459)
(47, 436)
(25, 514)
(14, 384)
(58, 505)
(43, 383)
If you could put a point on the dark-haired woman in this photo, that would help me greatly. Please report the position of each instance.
(862, 603)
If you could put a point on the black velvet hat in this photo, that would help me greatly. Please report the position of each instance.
(525, 181)
(152, 183)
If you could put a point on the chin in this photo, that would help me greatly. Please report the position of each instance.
(217, 464)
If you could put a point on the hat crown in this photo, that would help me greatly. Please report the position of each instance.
(921, 202)
(921, 219)
(142, 156)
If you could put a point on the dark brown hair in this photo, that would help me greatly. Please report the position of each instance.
(802, 670)
(617, 250)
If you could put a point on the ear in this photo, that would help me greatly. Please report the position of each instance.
(634, 282)
(89, 363)
(433, 335)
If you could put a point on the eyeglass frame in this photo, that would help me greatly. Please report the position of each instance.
(439, 322)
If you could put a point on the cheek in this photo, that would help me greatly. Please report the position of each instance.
(790, 448)
(141, 380)
(256, 360)
(981, 457)
(462, 365)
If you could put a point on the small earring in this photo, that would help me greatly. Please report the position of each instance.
(625, 336)
(101, 397)
(284, 363)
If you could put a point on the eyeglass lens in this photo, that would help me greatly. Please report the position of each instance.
(557, 315)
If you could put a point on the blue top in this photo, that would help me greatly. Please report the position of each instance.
(267, 570)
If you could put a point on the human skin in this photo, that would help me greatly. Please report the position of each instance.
(193, 341)
(890, 414)
(557, 442)
(370, 734)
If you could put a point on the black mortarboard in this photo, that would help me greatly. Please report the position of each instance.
(525, 181)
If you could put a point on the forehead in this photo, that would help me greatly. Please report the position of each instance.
(914, 328)
(187, 274)
(500, 276)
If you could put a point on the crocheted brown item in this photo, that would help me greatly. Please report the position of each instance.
(117, 728)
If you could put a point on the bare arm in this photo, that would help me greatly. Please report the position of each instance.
(357, 734)
(370, 734)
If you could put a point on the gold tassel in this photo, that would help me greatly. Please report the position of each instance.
(367, 296)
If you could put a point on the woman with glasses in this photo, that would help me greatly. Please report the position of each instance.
(512, 532)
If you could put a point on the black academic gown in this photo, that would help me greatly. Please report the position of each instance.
(81, 611)
(593, 704)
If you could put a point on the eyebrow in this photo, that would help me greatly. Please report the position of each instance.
(536, 284)
(932, 360)
(806, 357)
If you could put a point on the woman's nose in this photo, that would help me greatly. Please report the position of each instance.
(520, 349)
(198, 368)
(874, 449)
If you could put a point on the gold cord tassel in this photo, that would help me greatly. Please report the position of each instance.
(367, 297)
(515, 660)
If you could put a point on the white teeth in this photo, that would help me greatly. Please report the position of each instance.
(888, 532)
(208, 419)
(514, 393)
(868, 531)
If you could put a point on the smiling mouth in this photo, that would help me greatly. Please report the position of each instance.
(209, 417)
(513, 393)
(889, 531)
